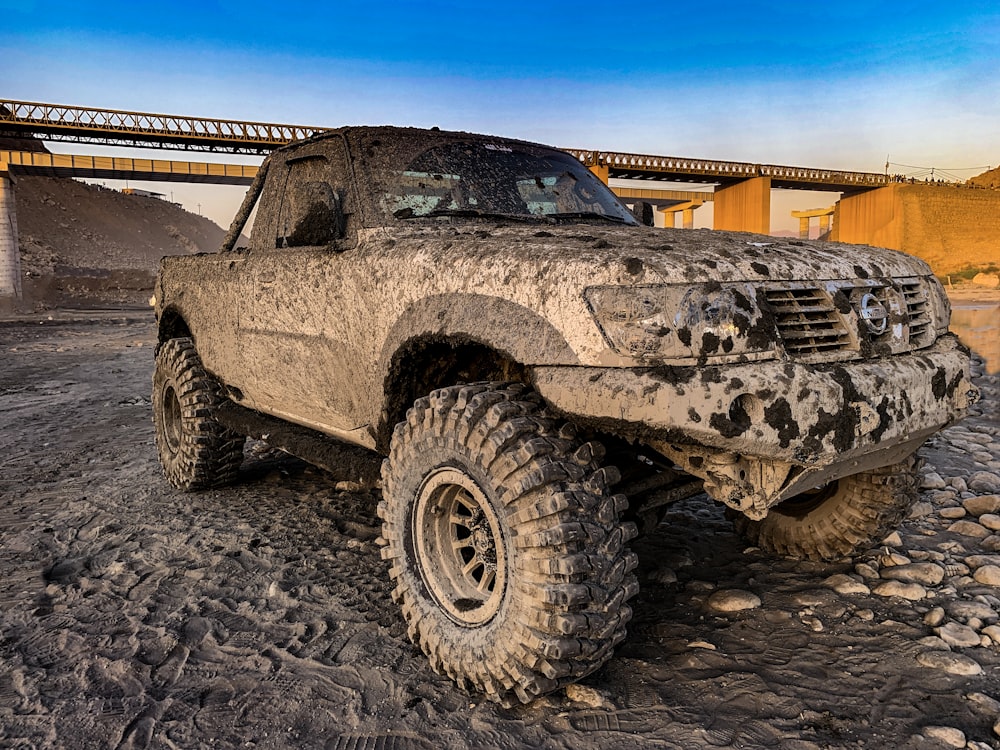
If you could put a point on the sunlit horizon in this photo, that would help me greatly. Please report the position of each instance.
(847, 87)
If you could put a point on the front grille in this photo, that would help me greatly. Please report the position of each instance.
(814, 319)
(807, 321)
(918, 311)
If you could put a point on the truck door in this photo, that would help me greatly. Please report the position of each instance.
(293, 324)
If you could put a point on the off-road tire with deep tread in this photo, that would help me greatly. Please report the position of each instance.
(860, 511)
(196, 452)
(568, 568)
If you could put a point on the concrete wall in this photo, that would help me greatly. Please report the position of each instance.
(952, 228)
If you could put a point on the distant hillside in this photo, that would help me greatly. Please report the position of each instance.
(990, 179)
(72, 224)
(85, 244)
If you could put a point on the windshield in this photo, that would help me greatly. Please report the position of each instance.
(420, 174)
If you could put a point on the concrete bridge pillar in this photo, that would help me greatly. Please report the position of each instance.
(744, 206)
(686, 210)
(10, 255)
(825, 216)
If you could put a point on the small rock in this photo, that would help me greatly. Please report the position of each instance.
(984, 704)
(865, 615)
(893, 540)
(702, 644)
(893, 558)
(816, 598)
(983, 504)
(947, 735)
(935, 617)
(958, 635)
(958, 484)
(946, 661)
(845, 585)
(921, 509)
(952, 514)
(588, 696)
(990, 520)
(664, 576)
(954, 547)
(912, 591)
(733, 600)
(933, 481)
(988, 575)
(944, 498)
(929, 574)
(933, 642)
(991, 543)
(985, 482)
(813, 622)
(969, 528)
(965, 610)
(993, 633)
(978, 561)
(866, 571)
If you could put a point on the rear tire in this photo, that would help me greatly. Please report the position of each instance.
(510, 560)
(845, 517)
(196, 452)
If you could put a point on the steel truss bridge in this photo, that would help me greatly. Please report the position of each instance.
(60, 122)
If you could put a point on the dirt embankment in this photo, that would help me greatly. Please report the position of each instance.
(85, 245)
(988, 179)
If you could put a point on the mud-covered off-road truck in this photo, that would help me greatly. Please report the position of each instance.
(526, 355)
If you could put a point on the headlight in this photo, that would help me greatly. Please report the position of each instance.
(671, 322)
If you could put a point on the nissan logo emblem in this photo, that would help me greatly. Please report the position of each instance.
(874, 314)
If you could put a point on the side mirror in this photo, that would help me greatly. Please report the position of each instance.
(643, 212)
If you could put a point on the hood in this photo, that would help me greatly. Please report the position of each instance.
(644, 255)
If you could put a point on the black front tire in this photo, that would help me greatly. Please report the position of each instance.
(196, 452)
(509, 557)
(844, 517)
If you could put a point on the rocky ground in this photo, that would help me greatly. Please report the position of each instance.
(133, 615)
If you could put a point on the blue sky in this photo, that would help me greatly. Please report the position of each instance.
(839, 85)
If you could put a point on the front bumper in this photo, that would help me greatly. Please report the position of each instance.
(820, 421)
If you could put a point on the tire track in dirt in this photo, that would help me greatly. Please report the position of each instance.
(259, 615)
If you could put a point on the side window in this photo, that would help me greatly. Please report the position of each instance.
(311, 211)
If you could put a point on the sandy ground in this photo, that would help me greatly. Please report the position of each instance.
(133, 615)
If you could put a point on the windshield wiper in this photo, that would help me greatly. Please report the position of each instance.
(472, 213)
(586, 215)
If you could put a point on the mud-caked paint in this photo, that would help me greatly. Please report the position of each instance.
(314, 334)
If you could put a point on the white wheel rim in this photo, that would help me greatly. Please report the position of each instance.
(460, 550)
